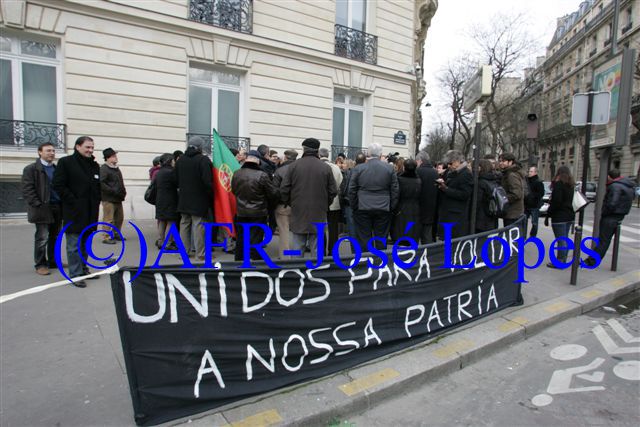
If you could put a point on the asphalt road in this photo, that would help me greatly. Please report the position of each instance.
(60, 351)
(584, 371)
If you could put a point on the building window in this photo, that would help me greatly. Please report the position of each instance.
(30, 87)
(215, 101)
(351, 40)
(348, 123)
(352, 14)
(628, 23)
(236, 15)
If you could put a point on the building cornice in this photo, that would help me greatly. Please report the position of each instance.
(187, 28)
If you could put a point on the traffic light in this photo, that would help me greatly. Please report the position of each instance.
(532, 126)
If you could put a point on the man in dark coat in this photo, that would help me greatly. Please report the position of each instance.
(265, 162)
(309, 188)
(255, 192)
(194, 175)
(373, 195)
(428, 196)
(455, 195)
(617, 203)
(43, 207)
(113, 193)
(166, 200)
(533, 201)
(77, 181)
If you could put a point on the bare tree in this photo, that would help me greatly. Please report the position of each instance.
(452, 79)
(506, 45)
(438, 143)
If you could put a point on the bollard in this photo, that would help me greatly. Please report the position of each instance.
(577, 238)
(616, 246)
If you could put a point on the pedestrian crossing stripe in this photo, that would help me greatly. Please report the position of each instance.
(623, 239)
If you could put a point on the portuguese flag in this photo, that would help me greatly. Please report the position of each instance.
(224, 165)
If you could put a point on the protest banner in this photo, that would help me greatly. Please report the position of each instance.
(196, 339)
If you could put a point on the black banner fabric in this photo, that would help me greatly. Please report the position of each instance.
(195, 339)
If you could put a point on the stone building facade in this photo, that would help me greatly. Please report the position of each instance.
(141, 75)
(581, 46)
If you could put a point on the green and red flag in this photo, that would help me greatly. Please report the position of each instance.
(224, 166)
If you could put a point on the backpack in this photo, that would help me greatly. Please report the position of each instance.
(498, 201)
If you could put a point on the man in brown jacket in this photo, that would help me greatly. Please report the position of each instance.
(513, 181)
(113, 193)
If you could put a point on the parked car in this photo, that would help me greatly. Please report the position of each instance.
(545, 199)
(591, 190)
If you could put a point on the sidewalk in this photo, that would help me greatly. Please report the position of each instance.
(64, 342)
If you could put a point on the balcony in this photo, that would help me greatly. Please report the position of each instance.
(235, 15)
(24, 134)
(593, 52)
(237, 142)
(607, 42)
(348, 151)
(356, 45)
(627, 27)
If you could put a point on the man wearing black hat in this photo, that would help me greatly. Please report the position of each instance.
(113, 193)
(77, 182)
(309, 188)
(194, 173)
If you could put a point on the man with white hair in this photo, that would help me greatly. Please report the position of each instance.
(373, 195)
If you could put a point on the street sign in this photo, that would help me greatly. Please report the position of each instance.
(399, 138)
(477, 88)
(599, 112)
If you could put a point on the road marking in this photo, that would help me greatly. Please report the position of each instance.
(568, 352)
(36, 289)
(557, 307)
(265, 418)
(368, 381)
(591, 294)
(622, 332)
(521, 320)
(509, 326)
(623, 239)
(610, 346)
(628, 370)
(454, 347)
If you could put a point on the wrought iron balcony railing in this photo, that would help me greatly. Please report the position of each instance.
(627, 27)
(348, 151)
(593, 52)
(237, 142)
(353, 44)
(20, 133)
(236, 15)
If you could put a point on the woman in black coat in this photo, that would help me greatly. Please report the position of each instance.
(561, 208)
(408, 209)
(166, 199)
(487, 181)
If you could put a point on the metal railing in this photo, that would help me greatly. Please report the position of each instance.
(627, 27)
(348, 151)
(237, 142)
(20, 133)
(358, 45)
(236, 15)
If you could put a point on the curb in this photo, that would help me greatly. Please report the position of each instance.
(322, 401)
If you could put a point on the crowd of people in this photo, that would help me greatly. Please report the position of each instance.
(370, 199)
